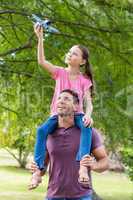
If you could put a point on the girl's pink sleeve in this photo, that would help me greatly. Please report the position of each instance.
(57, 73)
(87, 84)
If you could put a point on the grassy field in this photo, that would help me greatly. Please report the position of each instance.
(14, 181)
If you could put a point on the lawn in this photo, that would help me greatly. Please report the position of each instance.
(14, 181)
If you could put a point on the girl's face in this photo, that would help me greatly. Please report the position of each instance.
(74, 57)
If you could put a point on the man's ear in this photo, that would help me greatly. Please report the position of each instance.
(75, 107)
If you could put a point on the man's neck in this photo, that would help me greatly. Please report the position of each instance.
(65, 121)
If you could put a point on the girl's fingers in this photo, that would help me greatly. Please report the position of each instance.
(86, 122)
(41, 29)
(37, 25)
(37, 28)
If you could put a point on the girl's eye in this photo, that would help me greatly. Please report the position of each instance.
(73, 53)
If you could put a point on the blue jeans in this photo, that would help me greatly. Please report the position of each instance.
(88, 197)
(48, 128)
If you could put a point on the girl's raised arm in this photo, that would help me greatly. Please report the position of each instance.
(40, 51)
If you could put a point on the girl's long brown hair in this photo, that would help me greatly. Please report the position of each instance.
(88, 69)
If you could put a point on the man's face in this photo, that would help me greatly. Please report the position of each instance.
(65, 104)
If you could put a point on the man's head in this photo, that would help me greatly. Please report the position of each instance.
(67, 103)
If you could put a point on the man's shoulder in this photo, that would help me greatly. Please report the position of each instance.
(96, 132)
(97, 139)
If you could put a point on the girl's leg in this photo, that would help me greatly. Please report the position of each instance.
(84, 148)
(40, 146)
(85, 138)
(54, 198)
(40, 149)
(88, 197)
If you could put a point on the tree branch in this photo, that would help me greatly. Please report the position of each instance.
(13, 111)
(9, 109)
(21, 73)
(25, 46)
(13, 155)
(13, 12)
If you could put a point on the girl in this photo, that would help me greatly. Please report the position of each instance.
(66, 78)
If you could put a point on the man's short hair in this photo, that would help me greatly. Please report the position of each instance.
(73, 93)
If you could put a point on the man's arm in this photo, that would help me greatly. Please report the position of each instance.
(100, 163)
(46, 164)
(33, 166)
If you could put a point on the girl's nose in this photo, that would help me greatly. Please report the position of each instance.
(60, 101)
(69, 54)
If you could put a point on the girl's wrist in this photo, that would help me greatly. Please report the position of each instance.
(40, 38)
(88, 115)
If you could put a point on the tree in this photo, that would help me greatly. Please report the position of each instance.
(103, 26)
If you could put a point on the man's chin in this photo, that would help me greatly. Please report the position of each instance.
(64, 114)
(60, 113)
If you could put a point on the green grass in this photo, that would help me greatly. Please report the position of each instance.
(14, 182)
(113, 186)
(14, 185)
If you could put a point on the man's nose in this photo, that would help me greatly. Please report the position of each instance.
(60, 101)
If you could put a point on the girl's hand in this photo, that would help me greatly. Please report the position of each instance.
(88, 161)
(38, 30)
(88, 121)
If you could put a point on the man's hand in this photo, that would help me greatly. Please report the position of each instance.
(33, 167)
(88, 121)
(88, 161)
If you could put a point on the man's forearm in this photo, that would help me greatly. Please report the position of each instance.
(101, 165)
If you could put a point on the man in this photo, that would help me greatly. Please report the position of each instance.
(62, 147)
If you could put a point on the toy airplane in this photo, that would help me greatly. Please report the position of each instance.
(46, 24)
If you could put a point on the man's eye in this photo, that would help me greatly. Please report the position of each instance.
(66, 98)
